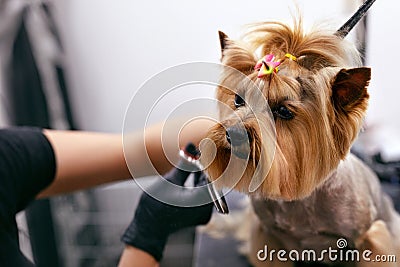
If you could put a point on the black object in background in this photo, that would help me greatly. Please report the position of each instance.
(29, 106)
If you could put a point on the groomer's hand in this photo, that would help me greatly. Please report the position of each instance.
(154, 220)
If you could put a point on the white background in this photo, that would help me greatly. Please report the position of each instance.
(112, 47)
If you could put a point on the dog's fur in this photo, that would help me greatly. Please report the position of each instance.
(312, 190)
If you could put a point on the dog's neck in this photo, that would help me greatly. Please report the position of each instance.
(318, 216)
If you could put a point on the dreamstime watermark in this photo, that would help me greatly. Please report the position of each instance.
(341, 253)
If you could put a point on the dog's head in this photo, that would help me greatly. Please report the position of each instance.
(288, 119)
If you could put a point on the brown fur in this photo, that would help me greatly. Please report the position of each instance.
(320, 127)
(325, 89)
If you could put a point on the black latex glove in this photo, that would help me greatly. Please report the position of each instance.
(154, 220)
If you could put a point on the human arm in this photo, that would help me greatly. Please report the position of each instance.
(134, 257)
(87, 159)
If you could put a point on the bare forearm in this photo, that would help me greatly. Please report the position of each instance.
(87, 159)
(133, 257)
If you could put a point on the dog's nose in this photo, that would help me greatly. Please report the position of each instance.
(236, 135)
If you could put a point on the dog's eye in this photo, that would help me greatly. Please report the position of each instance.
(239, 101)
(283, 112)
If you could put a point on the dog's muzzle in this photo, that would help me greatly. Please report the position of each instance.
(239, 139)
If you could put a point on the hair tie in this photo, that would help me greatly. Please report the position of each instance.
(291, 57)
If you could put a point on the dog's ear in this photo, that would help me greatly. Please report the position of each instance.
(235, 54)
(223, 39)
(349, 87)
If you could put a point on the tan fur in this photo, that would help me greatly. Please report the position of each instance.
(320, 55)
(326, 90)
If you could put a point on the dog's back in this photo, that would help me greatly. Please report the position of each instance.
(345, 206)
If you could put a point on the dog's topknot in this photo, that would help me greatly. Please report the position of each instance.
(315, 49)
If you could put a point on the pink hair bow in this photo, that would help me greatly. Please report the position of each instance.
(267, 65)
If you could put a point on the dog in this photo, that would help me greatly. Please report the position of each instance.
(291, 104)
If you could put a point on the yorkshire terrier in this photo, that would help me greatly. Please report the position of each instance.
(291, 104)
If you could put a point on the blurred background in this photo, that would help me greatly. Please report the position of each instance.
(76, 65)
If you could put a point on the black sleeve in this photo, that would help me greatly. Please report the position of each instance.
(27, 166)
